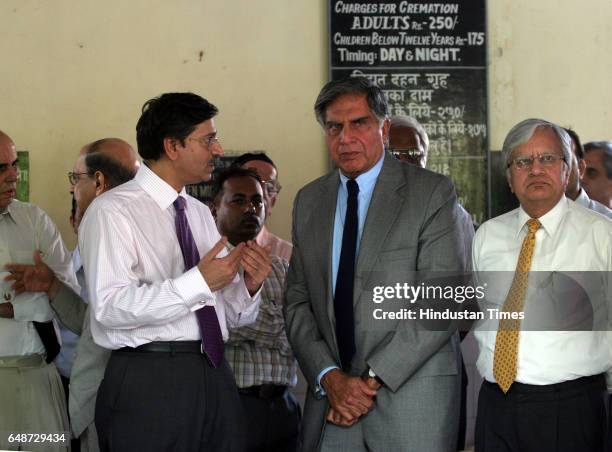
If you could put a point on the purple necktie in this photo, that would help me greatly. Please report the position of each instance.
(212, 340)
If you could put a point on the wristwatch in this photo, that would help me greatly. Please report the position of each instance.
(373, 375)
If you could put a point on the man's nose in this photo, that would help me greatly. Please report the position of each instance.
(13, 174)
(217, 149)
(536, 166)
(346, 135)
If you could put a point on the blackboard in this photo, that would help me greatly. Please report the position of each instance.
(430, 60)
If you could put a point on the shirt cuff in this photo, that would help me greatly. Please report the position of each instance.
(192, 288)
(318, 387)
(33, 307)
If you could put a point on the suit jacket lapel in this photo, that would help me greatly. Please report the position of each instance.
(324, 236)
(385, 205)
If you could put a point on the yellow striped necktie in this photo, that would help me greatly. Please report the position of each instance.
(506, 342)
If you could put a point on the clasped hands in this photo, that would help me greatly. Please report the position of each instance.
(218, 272)
(349, 397)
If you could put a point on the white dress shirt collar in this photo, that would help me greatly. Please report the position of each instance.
(158, 189)
(550, 221)
(10, 212)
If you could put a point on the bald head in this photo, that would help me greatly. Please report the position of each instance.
(6, 141)
(8, 170)
(116, 149)
(102, 165)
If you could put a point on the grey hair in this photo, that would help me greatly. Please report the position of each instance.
(336, 88)
(606, 147)
(524, 130)
(411, 123)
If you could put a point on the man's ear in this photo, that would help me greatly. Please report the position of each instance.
(170, 148)
(100, 182)
(581, 169)
(509, 181)
(385, 131)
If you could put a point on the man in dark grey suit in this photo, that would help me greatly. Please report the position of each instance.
(373, 384)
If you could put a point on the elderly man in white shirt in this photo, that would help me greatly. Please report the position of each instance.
(101, 166)
(543, 390)
(31, 394)
(161, 308)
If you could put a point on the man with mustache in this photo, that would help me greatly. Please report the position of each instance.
(268, 173)
(260, 354)
(597, 179)
(543, 390)
(31, 395)
(163, 291)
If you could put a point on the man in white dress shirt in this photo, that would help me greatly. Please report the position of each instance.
(100, 166)
(577, 169)
(31, 394)
(553, 397)
(152, 298)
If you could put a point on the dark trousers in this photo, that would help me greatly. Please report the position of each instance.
(158, 401)
(564, 417)
(273, 422)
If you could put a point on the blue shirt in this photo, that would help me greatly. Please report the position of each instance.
(366, 182)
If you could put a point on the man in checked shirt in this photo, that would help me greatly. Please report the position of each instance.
(259, 353)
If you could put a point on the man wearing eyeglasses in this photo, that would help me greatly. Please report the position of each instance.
(409, 142)
(163, 291)
(267, 171)
(544, 387)
(31, 395)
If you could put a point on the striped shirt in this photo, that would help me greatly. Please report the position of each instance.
(139, 290)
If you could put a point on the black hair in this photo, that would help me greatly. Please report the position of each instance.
(230, 173)
(250, 156)
(171, 115)
(577, 144)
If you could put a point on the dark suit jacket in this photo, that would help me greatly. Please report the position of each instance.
(412, 225)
